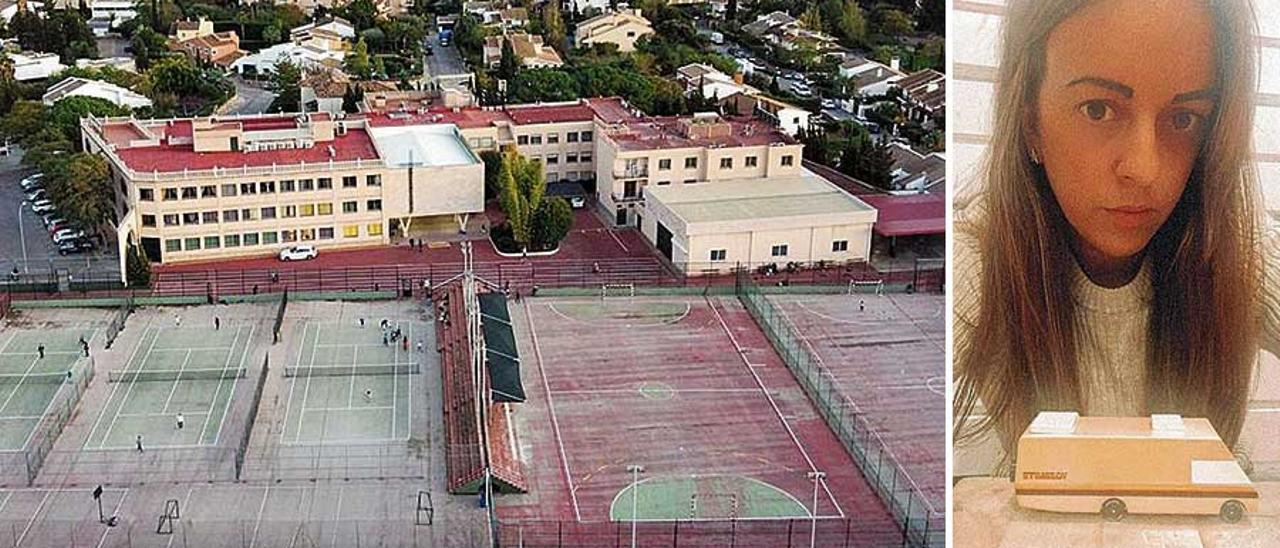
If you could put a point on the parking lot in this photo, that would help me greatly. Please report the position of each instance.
(27, 244)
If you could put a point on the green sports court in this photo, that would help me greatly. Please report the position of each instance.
(173, 370)
(347, 386)
(28, 383)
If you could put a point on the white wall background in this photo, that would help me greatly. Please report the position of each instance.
(974, 30)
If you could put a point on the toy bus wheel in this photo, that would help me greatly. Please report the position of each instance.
(1231, 511)
(1114, 510)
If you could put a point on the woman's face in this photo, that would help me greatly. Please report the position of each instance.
(1125, 103)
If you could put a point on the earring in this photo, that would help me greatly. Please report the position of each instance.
(1035, 157)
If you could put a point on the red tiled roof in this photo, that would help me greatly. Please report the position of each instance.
(668, 132)
(551, 113)
(910, 215)
(167, 158)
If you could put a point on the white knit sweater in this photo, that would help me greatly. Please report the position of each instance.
(1113, 352)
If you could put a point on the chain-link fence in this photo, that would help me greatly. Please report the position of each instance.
(23, 465)
(747, 533)
(235, 533)
(923, 524)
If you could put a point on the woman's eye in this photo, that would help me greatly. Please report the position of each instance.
(1098, 111)
(1186, 121)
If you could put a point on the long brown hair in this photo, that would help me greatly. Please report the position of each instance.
(1202, 334)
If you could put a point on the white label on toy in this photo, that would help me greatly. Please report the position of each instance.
(1217, 472)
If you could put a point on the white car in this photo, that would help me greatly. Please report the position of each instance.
(577, 202)
(32, 182)
(36, 195)
(43, 206)
(298, 253)
(67, 234)
(801, 89)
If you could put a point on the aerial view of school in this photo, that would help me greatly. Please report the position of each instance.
(531, 273)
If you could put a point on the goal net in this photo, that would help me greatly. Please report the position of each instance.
(617, 290)
(866, 286)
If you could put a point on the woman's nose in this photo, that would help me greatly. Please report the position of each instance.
(1140, 160)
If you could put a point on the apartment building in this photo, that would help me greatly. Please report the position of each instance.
(206, 188)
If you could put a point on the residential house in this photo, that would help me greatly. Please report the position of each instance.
(529, 49)
(28, 66)
(712, 83)
(187, 29)
(876, 81)
(924, 96)
(327, 28)
(323, 90)
(916, 172)
(622, 28)
(83, 87)
(315, 46)
(198, 40)
(768, 23)
(788, 118)
(127, 64)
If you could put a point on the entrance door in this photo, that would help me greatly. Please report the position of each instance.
(664, 241)
(622, 218)
(151, 248)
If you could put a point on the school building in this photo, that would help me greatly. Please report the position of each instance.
(709, 191)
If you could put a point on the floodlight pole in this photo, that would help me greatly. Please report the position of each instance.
(635, 470)
(22, 237)
(816, 476)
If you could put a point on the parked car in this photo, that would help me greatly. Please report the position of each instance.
(299, 252)
(75, 246)
(36, 195)
(830, 103)
(67, 234)
(801, 89)
(31, 182)
(43, 206)
(577, 202)
(58, 223)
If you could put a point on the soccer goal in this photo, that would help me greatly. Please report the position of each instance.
(866, 286)
(617, 290)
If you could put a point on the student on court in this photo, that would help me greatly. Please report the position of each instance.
(140, 443)
(177, 320)
(40, 349)
(368, 395)
(217, 323)
(181, 420)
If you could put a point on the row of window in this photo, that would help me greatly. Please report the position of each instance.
(570, 158)
(691, 162)
(781, 250)
(246, 189)
(249, 239)
(266, 213)
(554, 138)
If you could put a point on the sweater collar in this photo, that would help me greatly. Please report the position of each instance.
(1133, 296)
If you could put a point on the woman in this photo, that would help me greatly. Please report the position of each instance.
(1112, 263)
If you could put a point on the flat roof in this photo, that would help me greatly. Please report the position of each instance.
(608, 109)
(170, 157)
(434, 145)
(755, 199)
(668, 132)
(909, 215)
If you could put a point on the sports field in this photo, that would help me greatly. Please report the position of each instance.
(887, 356)
(673, 408)
(349, 385)
(28, 382)
(172, 371)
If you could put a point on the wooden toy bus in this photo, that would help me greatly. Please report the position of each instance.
(1163, 464)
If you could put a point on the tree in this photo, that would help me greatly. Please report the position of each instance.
(358, 63)
(893, 23)
(553, 25)
(731, 11)
(551, 223)
(27, 28)
(90, 198)
(812, 19)
(508, 64)
(363, 14)
(492, 170)
(286, 83)
(874, 165)
(933, 16)
(148, 45)
(65, 115)
(522, 189)
(851, 22)
(542, 84)
(24, 120)
(271, 34)
(137, 267)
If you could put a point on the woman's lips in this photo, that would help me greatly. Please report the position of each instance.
(1131, 215)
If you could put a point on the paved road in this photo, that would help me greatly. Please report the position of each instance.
(446, 60)
(41, 255)
(251, 98)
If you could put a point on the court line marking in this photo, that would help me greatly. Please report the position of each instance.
(661, 323)
(218, 389)
(18, 386)
(32, 521)
(116, 388)
(284, 430)
(772, 403)
(186, 359)
(371, 408)
(257, 524)
(114, 512)
(185, 500)
(232, 396)
(23, 418)
(808, 513)
(47, 407)
(306, 388)
(616, 239)
(7, 495)
(351, 386)
(337, 515)
(47, 353)
(161, 414)
(555, 423)
(638, 391)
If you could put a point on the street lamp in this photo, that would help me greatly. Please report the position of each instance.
(635, 470)
(22, 236)
(816, 476)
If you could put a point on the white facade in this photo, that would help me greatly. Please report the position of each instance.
(303, 56)
(713, 227)
(81, 87)
(35, 66)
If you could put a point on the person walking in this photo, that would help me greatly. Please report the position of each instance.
(181, 420)
(140, 443)
(406, 344)
(362, 322)
(368, 395)
(419, 346)
(217, 323)
(40, 349)
(384, 338)
(177, 320)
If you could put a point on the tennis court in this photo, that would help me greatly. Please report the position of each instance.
(350, 385)
(188, 371)
(28, 383)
